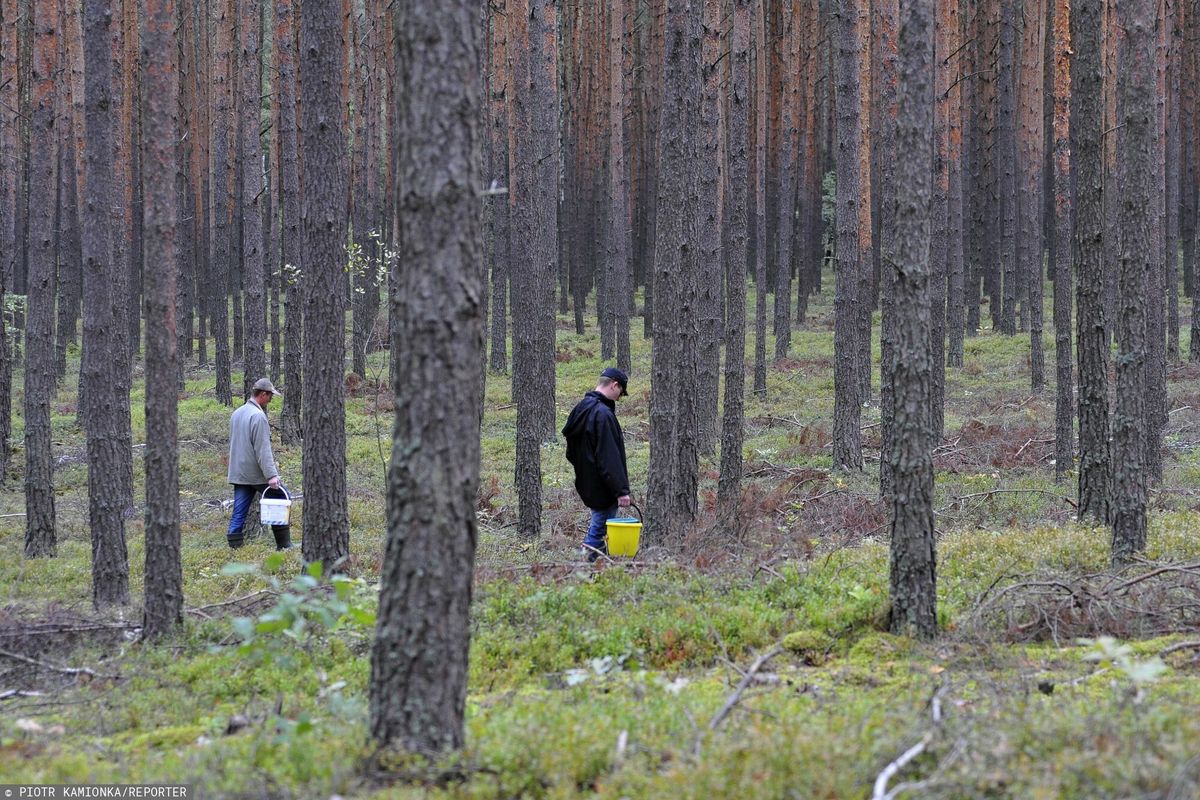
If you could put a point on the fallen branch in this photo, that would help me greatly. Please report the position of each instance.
(881, 781)
(75, 671)
(8, 693)
(1175, 648)
(199, 610)
(736, 695)
(959, 498)
(45, 629)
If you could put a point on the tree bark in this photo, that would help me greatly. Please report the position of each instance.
(164, 571)
(291, 235)
(618, 277)
(500, 87)
(847, 402)
(326, 521)
(913, 562)
(736, 254)
(419, 658)
(1007, 163)
(887, 19)
(39, 391)
(956, 272)
(1088, 243)
(1029, 199)
(1132, 426)
(1060, 250)
(103, 356)
(532, 287)
(674, 446)
(710, 296)
(9, 182)
(939, 223)
(254, 364)
(220, 259)
(758, 237)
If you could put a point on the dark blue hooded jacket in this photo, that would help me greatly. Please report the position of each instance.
(596, 448)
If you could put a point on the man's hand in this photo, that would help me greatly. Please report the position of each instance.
(624, 500)
(274, 482)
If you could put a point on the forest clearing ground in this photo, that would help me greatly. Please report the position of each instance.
(606, 680)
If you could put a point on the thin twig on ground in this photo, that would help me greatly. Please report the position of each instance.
(959, 498)
(75, 671)
(747, 678)
(881, 781)
(199, 610)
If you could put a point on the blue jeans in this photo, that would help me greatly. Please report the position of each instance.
(597, 530)
(243, 497)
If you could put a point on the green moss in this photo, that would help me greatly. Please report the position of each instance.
(811, 646)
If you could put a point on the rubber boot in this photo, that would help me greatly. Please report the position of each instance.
(283, 536)
(235, 540)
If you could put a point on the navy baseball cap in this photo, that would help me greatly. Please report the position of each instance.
(617, 375)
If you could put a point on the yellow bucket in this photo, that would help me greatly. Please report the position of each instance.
(624, 534)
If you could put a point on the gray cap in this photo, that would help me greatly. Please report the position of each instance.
(265, 385)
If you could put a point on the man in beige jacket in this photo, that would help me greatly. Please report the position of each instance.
(252, 466)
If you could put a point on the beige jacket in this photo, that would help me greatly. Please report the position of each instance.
(251, 461)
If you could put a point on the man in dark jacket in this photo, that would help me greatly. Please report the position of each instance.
(596, 448)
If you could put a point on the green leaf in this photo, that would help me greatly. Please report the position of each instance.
(361, 616)
(315, 569)
(238, 568)
(274, 562)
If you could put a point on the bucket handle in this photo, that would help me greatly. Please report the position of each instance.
(280, 489)
(634, 506)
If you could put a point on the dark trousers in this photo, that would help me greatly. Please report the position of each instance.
(243, 498)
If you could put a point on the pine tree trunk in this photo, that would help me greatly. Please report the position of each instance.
(291, 235)
(619, 275)
(887, 18)
(939, 222)
(326, 522)
(500, 88)
(1006, 162)
(1112, 198)
(103, 357)
(956, 273)
(39, 390)
(736, 232)
(523, 199)
(710, 295)
(912, 575)
(759, 235)
(187, 184)
(1172, 171)
(70, 257)
(1060, 243)
(254, 364)
(164, 571)
(1029, 198)
(1088, 245)
(9, 181)
(1133, 428)
(674, 450)
(419, 659)
(221, 256)
(847, 403)
(785, 154)
(543, 67)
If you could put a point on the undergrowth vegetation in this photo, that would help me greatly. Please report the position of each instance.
(747, 666)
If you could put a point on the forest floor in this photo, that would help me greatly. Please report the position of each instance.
(746, 667)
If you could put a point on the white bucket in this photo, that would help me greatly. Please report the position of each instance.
(273, 511)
